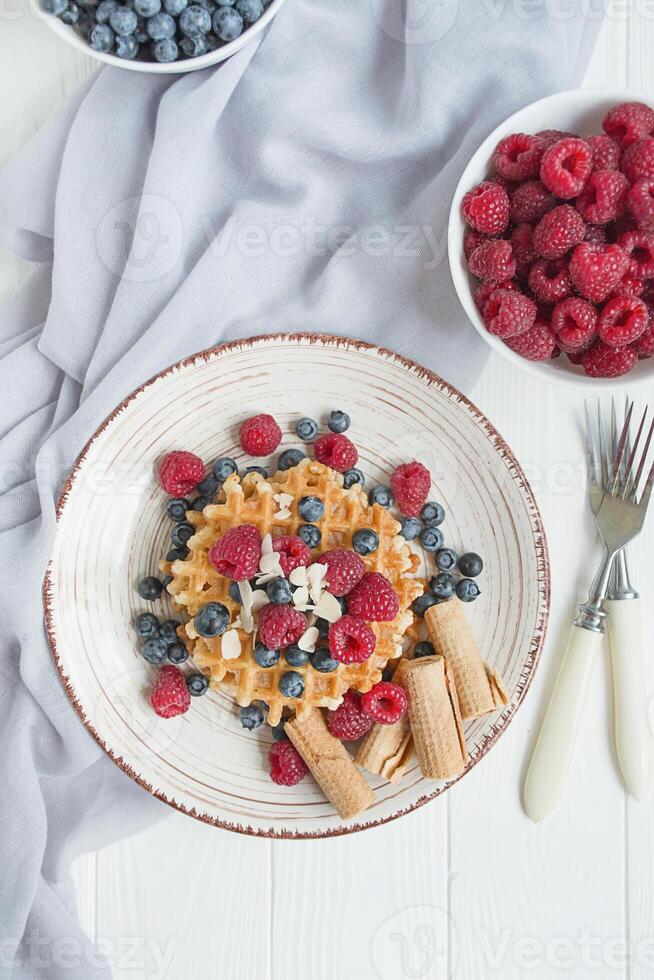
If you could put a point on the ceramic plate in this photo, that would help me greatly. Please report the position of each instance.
(112, 529)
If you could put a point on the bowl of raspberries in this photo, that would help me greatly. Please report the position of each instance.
(160, 36)
(551, 238)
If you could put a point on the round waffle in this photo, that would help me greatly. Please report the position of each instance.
(251, 501)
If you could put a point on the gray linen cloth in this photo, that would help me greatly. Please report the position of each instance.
(303, 185)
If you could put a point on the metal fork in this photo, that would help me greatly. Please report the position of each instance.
(619, 499)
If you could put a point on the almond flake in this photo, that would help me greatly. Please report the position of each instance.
(301, 598)
(283, 499)
(245, 590)
(270, 564)
(283, 514)
(298, 576)
(308, 640)
(316, 575)
(328, 608)
(259, 600)
(231, 645)
(266, 545)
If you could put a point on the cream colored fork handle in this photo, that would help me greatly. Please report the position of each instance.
(633, 739)
(550, 764)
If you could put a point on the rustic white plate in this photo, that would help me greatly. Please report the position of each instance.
(112, 529)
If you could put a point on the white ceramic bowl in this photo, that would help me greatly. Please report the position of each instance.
(70, 35)
(580, 111)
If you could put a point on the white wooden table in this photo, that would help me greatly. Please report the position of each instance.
(466, 887)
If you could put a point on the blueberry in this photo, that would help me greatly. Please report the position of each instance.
(423, 602)
(85, 26)
(194, 21)
(432, 514)
(197, 684)
(306, 429)
(223, 468)
(155, 651)
(200, 503)
(160, 27)
(146, 626)
(176, 508)
(279, 591)
(365, 541)
(257, 469)
(212, 619)
(424, 649)
(174, 7)
(166, 580)
(177, 554)
(470, 565)
(177, 653)
(342, 601)
(338, 421)
(296, 657)
(165, 51)
(251, 717)
(352, 476)
(225, 3)
(193, 47)
(127, 47)
(431, 538)
(141, 34)
(70, 15)
(211, 40)
(208, 487)
(323, 628)
(442, 585)
(148, 8)
(265, 657)
(104, 11)
(181, 533)
(278, 732)
(311, 509)
(467, 590)
(235, 592)
(410, 528)
(150, 588)
(102, 38)
(290, 457)
(55, 7)
(446, 559)
(228, 24)
(168, 630)
(321, 661)
(291, 684)
(310, 534)
(387, 674)
(123, 21)
(381, 495)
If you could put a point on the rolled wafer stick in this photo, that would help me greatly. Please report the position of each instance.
(387, 749)
(330, 763)
(435, 718)
(479, 688)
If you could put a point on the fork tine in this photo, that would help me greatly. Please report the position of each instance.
(619, 453)
(594, 472)
(628, 488)
(643, 460)
(647, 491)
(603, 452)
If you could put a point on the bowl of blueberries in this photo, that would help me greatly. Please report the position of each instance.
(162, 36)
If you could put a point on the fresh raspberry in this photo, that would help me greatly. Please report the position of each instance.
(640, 202)
(574, 321)
(336, 450)
(628, 122)
(522, 243)
(486, 208)
(286, 765)
(351, 641)
(596, 270)
(536, 344)
(236, 555)
(606, 152)
(565, 167)
(603, 198)
(639, 246)
(374, 599)
(471, 240)
(484, 290)
(501, 182)
(344, 570)
(385, 702)
(518, 156)
(170, 694)
(180, 472)
(260, 435)
(630, 284)
(551, 136)
(595, 234)
(622, 225)
(638, 160)
(601, 361)
(530, 201)
(622, 320)
(644, 346)
(508, 313)
(280, 625)
(292, 552)
(577, 356)
(349, 721)
(549, 280)
(558, 231)
(410, 484)
(493, 261)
